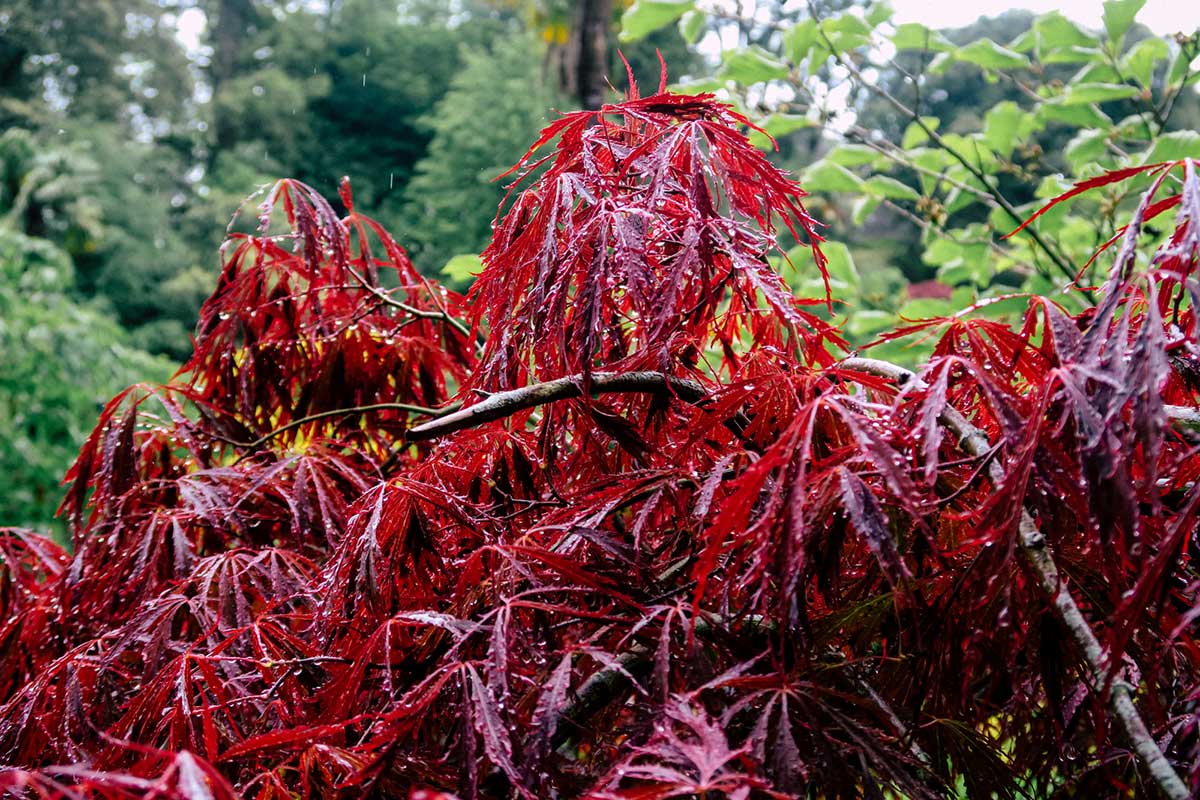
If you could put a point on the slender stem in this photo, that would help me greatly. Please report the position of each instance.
(340, 412)
(897, 154)
(387, 299)
(1033, 546)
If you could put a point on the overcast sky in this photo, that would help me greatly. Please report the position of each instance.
(1161, 16)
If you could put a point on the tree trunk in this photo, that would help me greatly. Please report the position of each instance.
(233, 19)
(589, 44)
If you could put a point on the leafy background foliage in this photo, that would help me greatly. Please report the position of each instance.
(951, 139)
(633, 517)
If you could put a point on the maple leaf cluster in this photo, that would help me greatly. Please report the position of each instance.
(627, 521)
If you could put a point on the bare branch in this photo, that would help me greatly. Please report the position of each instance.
(1033, 546)
(504, 404)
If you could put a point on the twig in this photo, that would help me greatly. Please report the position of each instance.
(1033, 546)
(387, 299)
(337, 412)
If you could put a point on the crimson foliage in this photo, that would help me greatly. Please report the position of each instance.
(343, 553)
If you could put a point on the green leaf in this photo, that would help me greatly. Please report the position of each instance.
(989, 55)
(1142, 59)
(799, 39)
(1009, 308)
(646, 16)
(971, 264)
(1055, 32)
(1174, 146)
(932, 159)
(825, 176)
(957, 199)
(1074, 55)
(1081, 116)
(847, 23)
(892, 189)
(1086, 147)
(1098, 72)
(1025, 43)
(864, 206)
(691, 25)
(752, 65)
(942, 250)
(927, 308)
(915, 36)
(972, 146)
(915, 135)
(1081, 93)
(851, 155)
(782, 124)
(940, 63)
(1003, 222)
(463, 268)
(841, 264)
(1135, 126)
(698, 86)
(1119, 16)
(879, 13)
(1181, 64)
(862, 324)
(846, 32)
(777, 125)
(1002, 127)
(1050, 186)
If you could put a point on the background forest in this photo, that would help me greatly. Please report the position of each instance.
(130, 131)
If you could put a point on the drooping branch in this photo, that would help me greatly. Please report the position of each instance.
(1033, 546)
(505, 404)
(335, 412)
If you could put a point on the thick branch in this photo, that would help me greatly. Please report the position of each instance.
(505, 404)
(1033, 546)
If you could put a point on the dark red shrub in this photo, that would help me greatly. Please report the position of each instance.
(638, 527)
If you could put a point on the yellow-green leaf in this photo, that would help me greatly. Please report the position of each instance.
(1119, 16)
(892, 189)
(915, 36)
(825, 176)
(691, 25)
(1081, 93)
(1002, 127)
(915, 135)
(646, 16)
(1143, 57)
(799, 39)
(463, 268)
(752, 65)
(989, 55)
